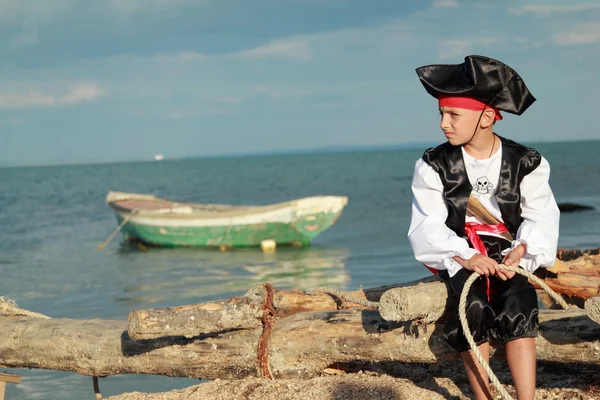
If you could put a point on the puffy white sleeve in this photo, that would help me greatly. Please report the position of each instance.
(541, 217)
(433, 243)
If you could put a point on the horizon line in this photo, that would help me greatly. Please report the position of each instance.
(312, 150)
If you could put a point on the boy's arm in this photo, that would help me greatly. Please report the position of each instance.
(433, 243)
(541, 216)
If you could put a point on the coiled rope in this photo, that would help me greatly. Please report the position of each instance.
(462, 305)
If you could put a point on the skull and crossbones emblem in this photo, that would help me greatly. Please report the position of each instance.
(483, 185)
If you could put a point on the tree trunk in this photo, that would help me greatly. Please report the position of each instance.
(581, 282)
(300, 346)
(239, 312)
(592, 308)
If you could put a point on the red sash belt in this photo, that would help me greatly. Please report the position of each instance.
(471, 229)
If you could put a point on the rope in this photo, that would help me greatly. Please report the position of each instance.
(462, 314)
(347, 297)
(462, 305)
(121, 225)
(9, 308)
(262, 351)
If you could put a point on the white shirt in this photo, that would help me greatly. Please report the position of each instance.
(434, 244)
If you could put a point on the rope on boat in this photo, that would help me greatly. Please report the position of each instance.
(121, 225)
(462, 305)
(347, 297)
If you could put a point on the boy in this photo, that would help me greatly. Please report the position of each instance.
(511, 182)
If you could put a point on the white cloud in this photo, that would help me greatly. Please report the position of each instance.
(450, 49)
(585, 33)
(549, 9)
(36, 98)
(37, 13)
(81, 92)
(445, 3)
(296, 50)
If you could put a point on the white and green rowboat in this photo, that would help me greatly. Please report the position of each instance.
(160, 222)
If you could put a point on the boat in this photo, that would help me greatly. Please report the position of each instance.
(156, 221)
(159, 157)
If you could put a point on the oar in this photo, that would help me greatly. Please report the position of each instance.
(482, 214)
(112, 235)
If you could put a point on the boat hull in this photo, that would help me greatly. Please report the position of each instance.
(296, 222)
(219, 236)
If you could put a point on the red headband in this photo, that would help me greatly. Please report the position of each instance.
(468, 103)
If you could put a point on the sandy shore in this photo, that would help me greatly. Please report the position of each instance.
(444, 380)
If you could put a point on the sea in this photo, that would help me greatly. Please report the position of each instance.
(54, 217)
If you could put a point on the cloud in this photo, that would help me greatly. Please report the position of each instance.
(35, 98)
(449, 49)
(36, 13)
(548, 9)
(585, 33)
(296, 50)
(445, 3)
(81, 92)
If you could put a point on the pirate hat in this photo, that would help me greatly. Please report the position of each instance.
(481, 78)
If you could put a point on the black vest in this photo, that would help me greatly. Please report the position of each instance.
(517, 161)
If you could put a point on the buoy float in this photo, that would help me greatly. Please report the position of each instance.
(268, 245)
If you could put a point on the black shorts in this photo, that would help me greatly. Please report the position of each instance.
(511, 313)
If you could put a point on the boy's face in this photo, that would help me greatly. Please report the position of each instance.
(458, 124)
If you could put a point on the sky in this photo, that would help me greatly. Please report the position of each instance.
(114, 80)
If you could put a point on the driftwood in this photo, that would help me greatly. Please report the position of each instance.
(572, 254)
(239, 312)
(415, 300)
(300, 346)
(592, 308)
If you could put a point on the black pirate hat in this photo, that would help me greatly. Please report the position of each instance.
(487, 80)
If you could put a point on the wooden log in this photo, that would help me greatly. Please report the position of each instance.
(300, 346)
(581, 282)
(572, 254)
(428, 301)
(239, 312)
(568, 284)
(592, 308)
(425, 302)
(192, 320)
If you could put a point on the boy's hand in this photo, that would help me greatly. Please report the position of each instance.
(482, 265)
(513, 259)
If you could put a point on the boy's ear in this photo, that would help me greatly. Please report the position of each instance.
(488, 119)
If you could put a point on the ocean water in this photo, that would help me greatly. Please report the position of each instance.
(53, 218)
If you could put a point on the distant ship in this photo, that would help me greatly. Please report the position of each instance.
(159, 157)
